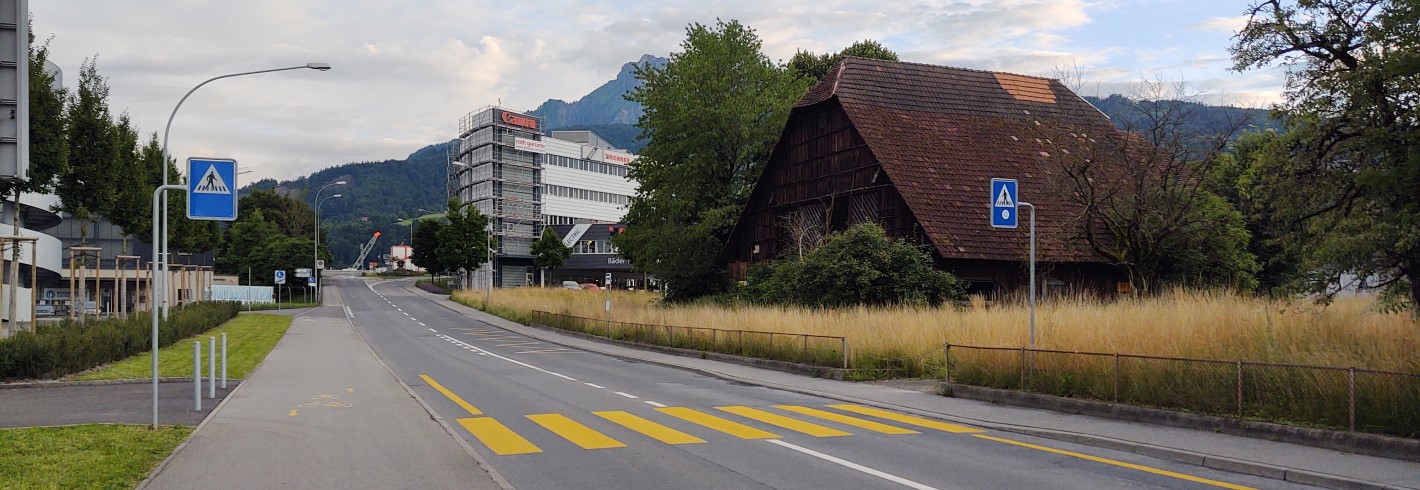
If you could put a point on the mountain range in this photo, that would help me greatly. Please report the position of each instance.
(378, 195)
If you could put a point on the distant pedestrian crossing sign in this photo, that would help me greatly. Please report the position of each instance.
(212, 189)
(1003, 203)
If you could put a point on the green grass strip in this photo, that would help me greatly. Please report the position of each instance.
(83, 456)
(249, 339)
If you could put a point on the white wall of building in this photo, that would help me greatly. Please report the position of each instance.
(588, 209)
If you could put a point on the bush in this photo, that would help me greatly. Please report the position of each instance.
(860, 266)
(58, 349)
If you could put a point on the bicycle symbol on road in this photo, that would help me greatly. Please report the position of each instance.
(324, 400)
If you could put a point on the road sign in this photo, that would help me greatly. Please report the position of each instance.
(320, 264)
(311, 281)
(280, 277)
(212, 189)
(303, 272)
(1003, 203)
(608, 280)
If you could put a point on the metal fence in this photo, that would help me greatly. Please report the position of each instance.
(814, 350)
(1357, 399)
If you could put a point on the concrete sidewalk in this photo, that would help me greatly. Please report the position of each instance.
(1301, 464)
(321, 412)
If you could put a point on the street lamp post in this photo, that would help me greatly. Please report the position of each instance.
(315, 246)
(162, 256)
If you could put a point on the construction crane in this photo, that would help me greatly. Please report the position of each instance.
(365, 251)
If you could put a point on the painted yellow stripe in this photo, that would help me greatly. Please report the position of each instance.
(908, 419)
(650, 429)
(1122, 464)
(846, 420)
(451, 395)
(498, 437)
(732, 428)
(785, 422)
(574, 432)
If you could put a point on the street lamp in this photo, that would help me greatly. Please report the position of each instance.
(315, 246)
(163, 253)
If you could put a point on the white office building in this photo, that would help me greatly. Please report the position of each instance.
(524, 179)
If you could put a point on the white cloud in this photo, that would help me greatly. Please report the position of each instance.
(404, 72)
(1222, 24)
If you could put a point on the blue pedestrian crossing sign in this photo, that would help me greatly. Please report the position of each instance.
(1003, 203)
(212, 189)
(311, 281)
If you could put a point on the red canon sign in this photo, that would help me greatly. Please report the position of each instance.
(519, 120)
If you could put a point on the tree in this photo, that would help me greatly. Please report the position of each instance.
(426, 245)
(463, 243)
(89, 186)
(132, 205)
(293, 216)
(712, 115)
(243, 239)
(814, 67)
(1347, 203)
(860, 266)
(1145, 205)
(549, 252)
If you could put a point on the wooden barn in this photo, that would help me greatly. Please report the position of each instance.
(914, 147)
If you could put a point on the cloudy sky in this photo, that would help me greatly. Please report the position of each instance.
(405, 71)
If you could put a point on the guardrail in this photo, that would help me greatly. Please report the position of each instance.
(814, 350)
(1365, 400)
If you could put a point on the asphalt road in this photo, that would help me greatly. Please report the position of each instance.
(547, 416)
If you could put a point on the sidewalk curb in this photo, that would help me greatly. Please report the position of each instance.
(433, 415)
(164, 464)
(1172, 454)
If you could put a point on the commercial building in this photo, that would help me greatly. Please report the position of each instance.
(523, 178)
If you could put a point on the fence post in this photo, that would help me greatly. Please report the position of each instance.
(1240, 389)
(715, 338)
(805, 355)
(1116, 377)
(947, 362)
(771, 345)
(843, 346)
(742, 342)
(197, 375)
(1023, 369)
(1351, 395)
(224, 360)
(670, 336)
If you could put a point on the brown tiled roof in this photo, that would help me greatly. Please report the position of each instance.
(941, 134)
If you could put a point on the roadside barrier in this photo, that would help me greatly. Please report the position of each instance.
(1356, 399)
(211, 369)
(813, 350)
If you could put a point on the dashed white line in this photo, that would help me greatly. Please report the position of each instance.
(628, 395)
(423, 325)
(886, 476)
(560, 375)
(594, 385)
(431, 330)
(655, 404)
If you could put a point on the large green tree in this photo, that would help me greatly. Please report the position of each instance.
(89, 185)
(426, 246)
(549, 252)
(712, 115)
(814, 67)
(463, 243)
(1350, 208)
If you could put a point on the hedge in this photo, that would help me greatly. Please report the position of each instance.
(70, 346)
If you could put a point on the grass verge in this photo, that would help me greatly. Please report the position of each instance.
(249, 339)
(99, 456)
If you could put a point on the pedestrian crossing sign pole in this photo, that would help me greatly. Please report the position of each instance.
(212, 189)
(1004, 202)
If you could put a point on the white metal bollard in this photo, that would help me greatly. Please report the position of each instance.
(211, 367)
(224, 361)
(197, 375)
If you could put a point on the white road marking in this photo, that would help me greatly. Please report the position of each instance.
(655, 404)
(594, 385)
(405, 314)
(423, 325)
(349, 314)
(628, 395)
(563, 376)
(431, 330)
(886, 476)
(546, 351)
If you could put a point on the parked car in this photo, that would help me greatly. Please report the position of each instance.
(44, 309)
(590, 286)
(571, 285)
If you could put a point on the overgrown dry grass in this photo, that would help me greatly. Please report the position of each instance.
(1350, 332)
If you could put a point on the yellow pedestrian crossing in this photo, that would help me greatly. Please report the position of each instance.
(846, 420)
(710, 421)
(498, 437)
(504, 441)
(574, 432)
(649, 429)
(785, 422)
(908, 419)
